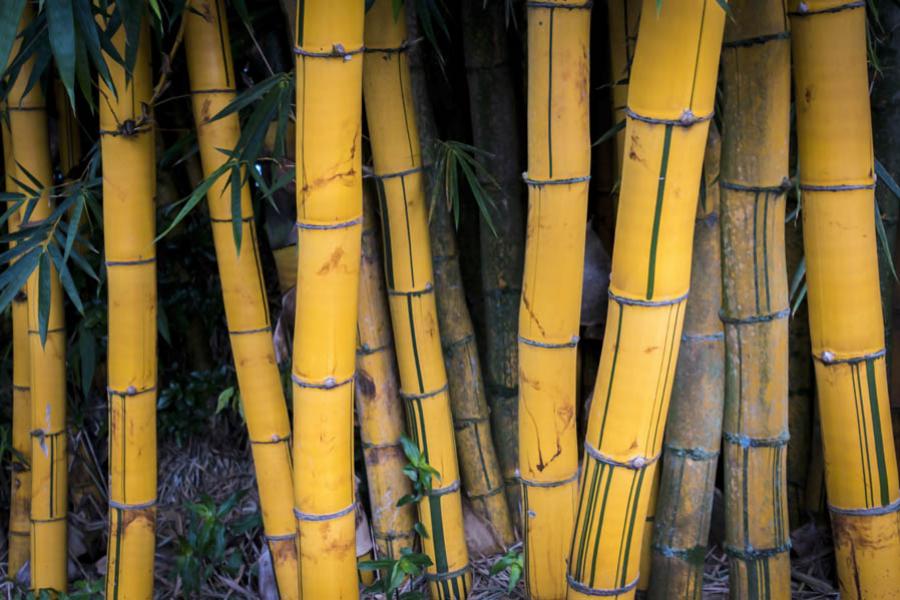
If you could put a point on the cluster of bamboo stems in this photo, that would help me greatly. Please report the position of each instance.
(384, 328)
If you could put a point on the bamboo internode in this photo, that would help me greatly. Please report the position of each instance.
(846, 322)
(127, 147)
(549, 315)
(378, 405)
(328, 49)
(211, 73)
(670, 103)
(20, 496)
(755, 310)
(26, 146)
(410, 282)
(693, 432)
(481, 475)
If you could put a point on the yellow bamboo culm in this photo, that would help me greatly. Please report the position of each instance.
(378, 405)
(670, 102)
(623, 17)
(755, 307)
(127, 148)
(410, 282)
(20, 497)
(328, 49)
(559, 166)
(834, 132)
(68, 138)
(27, 147)
(211, 72)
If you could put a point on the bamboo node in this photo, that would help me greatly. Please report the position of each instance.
(622, 300)
(327, 226)
(453, 487)
(749, 553)
(804, 11)
(328, 384)
(552, 5)
(304, 516)
(124, 506)
(572, 343)
(423, 395)
(550, 484)
(589, 591)
(564, 181)
(635, 464)
(337, 51)
(695, 454)
(861, 512)
(687, 118)
(745, 441)
(828, 358)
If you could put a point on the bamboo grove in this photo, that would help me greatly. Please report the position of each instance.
(546, 299)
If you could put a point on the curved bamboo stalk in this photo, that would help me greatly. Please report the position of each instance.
(834, 132)
(423, 379)
(328, 47)
(481, 474)
(211, 73)
(20, 497)
(378, 405)
(671, 95)
(29, 144)
(623, 16)
(693, 432)
(755, 306)
(494, 112)
(127, 147)
(557, 178)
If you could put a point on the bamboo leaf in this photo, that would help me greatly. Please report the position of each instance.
(237, 224)
(610, 133)
(883, 241)
(61, 24)
(73, 229)
(65, 277)
(885, 177)
(13, 279)
(87, 27)
(195, 197)
(798, 278)
(131, 13)
(44, 274)
(9, 25)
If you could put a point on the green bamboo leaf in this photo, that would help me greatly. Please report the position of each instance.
(885, 177)
(14, 278)
(61, 24)
(20, 249)
(798, 300)
(883, 241)
(237, 224)
(195, 197)
(65, 277)
(73, 229)
(610, 133)
(87, 27)
(44, 274)
(131, 13)
(9, 25)
(798, 278)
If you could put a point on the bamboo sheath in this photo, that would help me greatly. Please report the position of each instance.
(20, 497)
(27, 146)
(623, 16)
(670, 100)
(755, 309)
(846, 325)
(410, 283)
(211, 72)
(378, 405)
(127, 146)
(693, 431)
(549, 314)
(328, 46)
(482, 478)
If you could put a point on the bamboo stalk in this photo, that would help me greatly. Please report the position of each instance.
(834, 132)
(28, 142)
(623, 17)
(755, 306)
(493, 109)
(693, 433)
(670, 103)
(557, 178)
(20, 496)
(481, 475)
(328, 46)
(211, 71)
(127, 146)
(378, 406)
(410, 282)
(801, 388)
